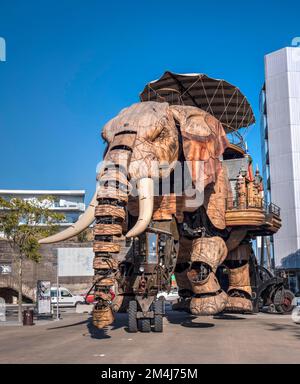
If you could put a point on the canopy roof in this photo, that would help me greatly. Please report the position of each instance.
(218, 97)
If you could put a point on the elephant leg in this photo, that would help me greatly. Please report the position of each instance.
(239, 291)
(207, 255)
(185, 289)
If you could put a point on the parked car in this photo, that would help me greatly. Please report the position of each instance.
(66, 298)
(90, 298)
(296, 310)
(171, 296)
(89, 301)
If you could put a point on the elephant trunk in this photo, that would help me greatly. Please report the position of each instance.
(110, 214)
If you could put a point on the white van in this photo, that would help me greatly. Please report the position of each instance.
(66, 298)
(171, 296)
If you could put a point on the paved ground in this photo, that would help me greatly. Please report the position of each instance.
(259, 338)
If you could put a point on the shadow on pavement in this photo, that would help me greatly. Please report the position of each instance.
(190, 324)
(293, 328)
(226, 316)
(68, 325)
(186, 320)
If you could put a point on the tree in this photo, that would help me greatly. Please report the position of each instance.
(18, 224)
(84, 236)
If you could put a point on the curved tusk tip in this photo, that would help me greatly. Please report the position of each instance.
(130, 234)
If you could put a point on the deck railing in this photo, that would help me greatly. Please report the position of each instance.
(268, 208)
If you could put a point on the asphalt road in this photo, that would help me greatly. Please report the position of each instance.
(262, 338)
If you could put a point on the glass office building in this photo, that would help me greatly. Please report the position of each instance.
(280, 139)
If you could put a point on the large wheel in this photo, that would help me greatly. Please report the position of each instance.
(145, 325)
(286, 306)
(132, 320)
(159, 309)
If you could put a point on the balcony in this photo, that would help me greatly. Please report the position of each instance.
(259, 217)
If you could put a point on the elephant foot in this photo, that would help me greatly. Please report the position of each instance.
(238, 303)
(183, 304)
(239, 290)
(209, 304)
(102, 317)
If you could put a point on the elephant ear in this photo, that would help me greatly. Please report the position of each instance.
(215, 198)
(203, 140)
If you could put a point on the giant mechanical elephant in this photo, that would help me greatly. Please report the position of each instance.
(146, 142)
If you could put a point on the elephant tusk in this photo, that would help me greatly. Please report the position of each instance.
(83, 222)
(145, 187)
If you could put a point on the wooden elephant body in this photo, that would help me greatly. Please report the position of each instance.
(172, 167)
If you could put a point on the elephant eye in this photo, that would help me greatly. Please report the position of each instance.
(121, 147)
(123, 140)
(125, 133)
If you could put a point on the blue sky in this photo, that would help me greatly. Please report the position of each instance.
(73, 64)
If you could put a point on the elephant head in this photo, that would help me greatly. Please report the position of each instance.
(144, 142)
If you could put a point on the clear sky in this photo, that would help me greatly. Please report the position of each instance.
(73, 64)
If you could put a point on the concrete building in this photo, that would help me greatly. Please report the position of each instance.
(68, 202)
(71, 204)
(45, 269)
(280, 133)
